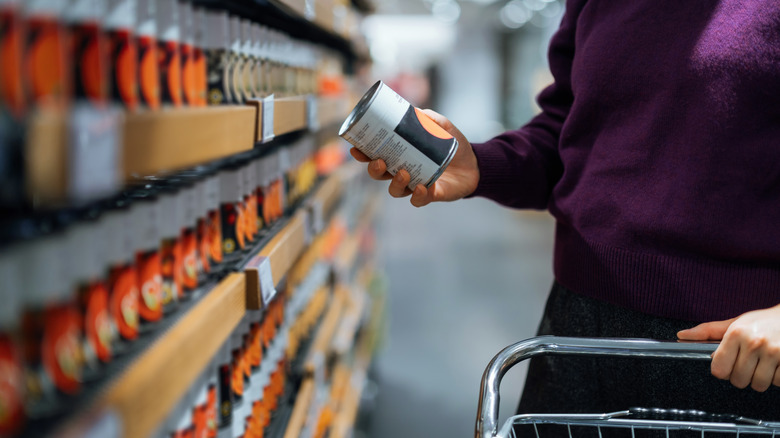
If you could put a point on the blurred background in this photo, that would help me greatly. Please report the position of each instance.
(468, 278)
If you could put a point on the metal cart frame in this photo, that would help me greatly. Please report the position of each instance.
(636, 418)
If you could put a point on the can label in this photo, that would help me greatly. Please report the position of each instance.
(124, 301)
(171, 281)
(170, 72)
(188, 76)
(123, 68)
(218, 77)
(204, 245)
(45, 61)
(148, 72)
(11, 81)
(97, 324)
(150, 280)
(225, 397)
(384, 125)
(201, 74)
(189, 259)
(88, 50)
(11, 389)
(214, 229)
(61, 350)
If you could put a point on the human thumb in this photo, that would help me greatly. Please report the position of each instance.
(708, 331)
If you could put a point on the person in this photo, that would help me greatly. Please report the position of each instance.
(657, 151)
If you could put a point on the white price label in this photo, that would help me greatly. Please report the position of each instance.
(262, 266)
(95, 144)
(312, 112)
(268, 119)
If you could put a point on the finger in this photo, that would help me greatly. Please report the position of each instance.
(422, 196)
(360, 156)
(398, 186)
(441, 121)
(764, 374)
(377, 170)
(724, 357)
(708, 331)
(744, 368)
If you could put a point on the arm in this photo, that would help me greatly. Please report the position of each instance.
(749, 352)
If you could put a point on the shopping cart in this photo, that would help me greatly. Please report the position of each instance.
(633, 419)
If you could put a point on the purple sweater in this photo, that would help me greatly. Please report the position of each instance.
(658, 153)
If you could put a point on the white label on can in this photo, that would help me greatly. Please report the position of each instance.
(374, 134)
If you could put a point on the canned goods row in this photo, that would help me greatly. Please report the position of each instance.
(76, 297)
(143, 53)
(250, 372)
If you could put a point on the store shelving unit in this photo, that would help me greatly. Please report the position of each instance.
(144, 387)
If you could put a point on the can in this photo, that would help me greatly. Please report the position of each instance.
(120, 24)
(148, 70)
(384, 125)
(169, 52)
(88, 50)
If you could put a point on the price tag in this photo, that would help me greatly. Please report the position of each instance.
(260, 282)
(268, 119)
(316, 216)
(95, 144)
(312, 112)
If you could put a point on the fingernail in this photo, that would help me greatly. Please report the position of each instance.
(374, 165)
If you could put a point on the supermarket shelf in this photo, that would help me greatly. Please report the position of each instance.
(318, 354)
(300, 410)
(289, 114)
(332, 110)
(281, 252)
(175, 361)
(173, 139)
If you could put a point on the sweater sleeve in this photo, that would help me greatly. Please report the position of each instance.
(519, 168)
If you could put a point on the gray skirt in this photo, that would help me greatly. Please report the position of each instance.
(580, 385)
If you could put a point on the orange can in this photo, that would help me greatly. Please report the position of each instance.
(148, 68)
(12, 391)
(146, 223)
(51, 327)
(88, 50)
(171, 200)
(46, 64)
(12, 91)
(199, 57)
(189, 239)
(120, 22)
(122, 276)
(231, 211)
(216, 46)
(187, 49)
(169, 52)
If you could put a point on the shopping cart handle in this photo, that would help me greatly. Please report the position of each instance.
(688, 415)
(487, 411)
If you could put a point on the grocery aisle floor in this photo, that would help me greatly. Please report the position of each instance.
(465, 280)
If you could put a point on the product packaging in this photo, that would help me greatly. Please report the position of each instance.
(231, 213)
(146, 215)
(47, 65)
(148, 64)
(216, 46)
(120, 24)
(171, 200)
(88, 50)
(187, 50)
(236, 64)
(122, 276)
(51, 328)
(199, 57)
(12, 391)
(169, 52)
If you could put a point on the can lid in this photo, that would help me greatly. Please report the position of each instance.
(235, 34)
(168, 20)
(54, 8)
(11, 288)
(246, 37)
(229, 186)
(44, 273)
(121, 14)
(360, 109)
(81, 11)
(147, 21)
(217, 35)
(187, 23)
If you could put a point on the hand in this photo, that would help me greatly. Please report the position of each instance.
(458, 180)
(749, 353)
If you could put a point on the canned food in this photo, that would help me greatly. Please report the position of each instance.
(384, 125)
